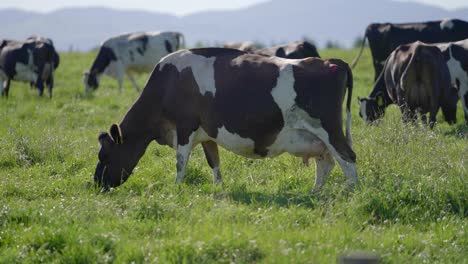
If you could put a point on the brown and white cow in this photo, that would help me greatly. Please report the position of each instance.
(294, 50)
(129, 53)
(416, 77)
(252, 105)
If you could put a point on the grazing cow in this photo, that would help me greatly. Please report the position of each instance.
(252, 105)
(385, 38)
(295, 50)
(132, 52)
(456, 56)
(247, 46)
(416, 77)
(47, 76)
(26, 61)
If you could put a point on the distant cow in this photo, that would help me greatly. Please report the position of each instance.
(456, 56)
(295, 50)
(132, 52)
(384, 38)
(47, 76)
(252, 105)
(26, 61)
(247, 46)
(416, 77)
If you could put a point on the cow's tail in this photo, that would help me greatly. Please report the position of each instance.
(349, 84)
(355, 61)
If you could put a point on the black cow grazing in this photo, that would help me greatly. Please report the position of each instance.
(47, 76)
(131, 53)
(456, 56)
(295, 50)
(252, 105)
(385, 38)
(416, 77)
(26, 61)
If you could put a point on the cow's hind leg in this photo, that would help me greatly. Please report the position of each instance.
(212, 156)
(130, 77)
(340, 150)
(323, 167)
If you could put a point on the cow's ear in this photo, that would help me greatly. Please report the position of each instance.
(105, 139)
(116, 134)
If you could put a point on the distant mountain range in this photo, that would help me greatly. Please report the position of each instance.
(275, 21)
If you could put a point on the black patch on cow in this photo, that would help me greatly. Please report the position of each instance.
(216, 52)
(143, 44)
(132, 56)
(168, 46)
(280, 53)
(103, 59)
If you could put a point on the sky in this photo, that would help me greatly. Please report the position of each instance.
(176, 7)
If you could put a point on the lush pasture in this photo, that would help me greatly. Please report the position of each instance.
(412, 206)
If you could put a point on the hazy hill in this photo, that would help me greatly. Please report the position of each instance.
(274, 21)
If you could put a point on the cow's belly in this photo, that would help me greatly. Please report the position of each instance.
(236, 144)
(24, 73)
(297, 142)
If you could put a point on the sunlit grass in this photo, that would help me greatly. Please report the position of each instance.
(412, 206)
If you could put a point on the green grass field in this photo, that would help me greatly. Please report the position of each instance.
(412, 205)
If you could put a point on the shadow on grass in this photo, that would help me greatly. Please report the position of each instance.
(283, 199)
(458, 131)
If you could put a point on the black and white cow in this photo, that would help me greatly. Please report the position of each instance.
(252, 105)
(26, 61)
(416, 77)
(131, 53)
(385, 38)
(295, 50)
(47, 75)
(456, 56)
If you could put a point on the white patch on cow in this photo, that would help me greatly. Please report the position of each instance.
(235, 143)
(25, 72)
(446, 24)
(183, 154)
(363, 110)
(202, 68)
(283, 93)
(457, 72)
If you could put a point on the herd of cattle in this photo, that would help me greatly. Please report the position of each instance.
(291, 100)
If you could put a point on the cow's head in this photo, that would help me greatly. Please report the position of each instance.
(115, 159)
(372, 108)
(90, 80)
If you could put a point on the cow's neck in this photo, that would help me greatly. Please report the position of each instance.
(381, 88)
(103, 59)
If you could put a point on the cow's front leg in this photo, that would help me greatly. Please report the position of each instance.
(184, 147)
(212, 156)
(50, 84)
(40, 86)
(5, 87)
(323, 167)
